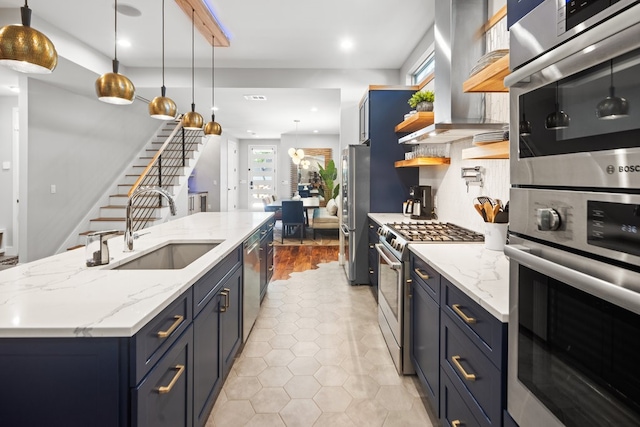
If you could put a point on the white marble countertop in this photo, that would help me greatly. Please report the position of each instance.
(59, 296)
(480, 273)
(385, 218)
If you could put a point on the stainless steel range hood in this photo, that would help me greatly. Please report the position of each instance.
(458, 45)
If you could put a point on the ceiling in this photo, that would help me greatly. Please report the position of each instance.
(282, 34)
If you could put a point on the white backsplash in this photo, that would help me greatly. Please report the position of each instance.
(454, 202)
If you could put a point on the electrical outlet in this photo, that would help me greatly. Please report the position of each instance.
(53, 189)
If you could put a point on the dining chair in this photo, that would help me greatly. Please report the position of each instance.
(277, 214)
(292, 215)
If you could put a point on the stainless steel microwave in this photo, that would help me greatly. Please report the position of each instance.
(575, 111)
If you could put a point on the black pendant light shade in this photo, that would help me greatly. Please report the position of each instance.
(213, 127)
(114, 88)
(161, 107)
(25, 49)
(558, 119)
(612, 107)
(192, 120)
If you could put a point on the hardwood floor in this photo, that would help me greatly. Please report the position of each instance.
(289, 259)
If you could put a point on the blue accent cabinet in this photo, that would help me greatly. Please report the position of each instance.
(168, 374)
(380, 111)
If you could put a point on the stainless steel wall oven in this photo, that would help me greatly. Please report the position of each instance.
(575, 219)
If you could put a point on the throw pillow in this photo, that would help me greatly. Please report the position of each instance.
(332, 208)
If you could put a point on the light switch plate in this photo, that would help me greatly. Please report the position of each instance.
(6, 166)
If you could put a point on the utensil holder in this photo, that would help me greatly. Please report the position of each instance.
(495, 235)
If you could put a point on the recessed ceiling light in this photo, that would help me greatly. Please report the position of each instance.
(315, 131)
(214, 108)
(346, 44)
(314, 109)
(249, 131)
(128, 10)
(15, 89)
(124, 43)
(255, 97)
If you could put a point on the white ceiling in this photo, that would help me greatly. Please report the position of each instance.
(264, 34)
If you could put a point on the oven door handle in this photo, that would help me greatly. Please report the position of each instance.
(601, 288)
(395, 265)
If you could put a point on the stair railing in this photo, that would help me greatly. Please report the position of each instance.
(162, 171)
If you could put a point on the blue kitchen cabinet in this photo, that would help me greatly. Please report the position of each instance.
(380, 111)
(473, 358)
(373, 257)
(266, 256)
(164, 397)
(217, 337)
(425, 328)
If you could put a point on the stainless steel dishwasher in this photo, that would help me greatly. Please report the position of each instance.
(251, 286)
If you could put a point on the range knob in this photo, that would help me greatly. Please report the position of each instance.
(380, 231)
(548, 219)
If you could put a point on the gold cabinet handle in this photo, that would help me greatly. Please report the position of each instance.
(270, 243)
(371, 226)
(371, 246)
(421, 274)
(174, 380)
(371, 271)
(467, 319)
(467, 376)
(271, 268)
(177, 320)
(456, 423)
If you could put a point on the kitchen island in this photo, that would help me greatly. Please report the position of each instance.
(106, 347)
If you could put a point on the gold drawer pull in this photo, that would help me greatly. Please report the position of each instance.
(270, 243)
(467, 376)
(456, 423)
(271, 268)
(371, 226)
(371, 271)
(371, 246)
(174, 380)
(178, 319)
(421, 274)
(467, 319)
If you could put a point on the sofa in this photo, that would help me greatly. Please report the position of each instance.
(326, 218)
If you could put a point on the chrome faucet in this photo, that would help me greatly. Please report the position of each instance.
(128, 232)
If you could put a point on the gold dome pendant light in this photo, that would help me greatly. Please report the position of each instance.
(25, 49)
(161, 107)
(213, 127)
(115, 88)
(192, 120)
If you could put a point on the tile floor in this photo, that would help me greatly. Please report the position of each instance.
(316, 357)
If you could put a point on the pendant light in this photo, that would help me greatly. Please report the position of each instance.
(558, 119)
(612, 107)
(25, 49)
(192, 120)
(213, 127)
(161, 107)
(114, 88)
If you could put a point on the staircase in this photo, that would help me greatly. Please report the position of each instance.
(166, 162)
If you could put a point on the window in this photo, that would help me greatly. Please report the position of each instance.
(423, 70)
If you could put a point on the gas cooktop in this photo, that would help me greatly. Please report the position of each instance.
(433, 231)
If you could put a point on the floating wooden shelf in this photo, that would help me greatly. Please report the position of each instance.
(417, 121)
(494, 150)
(490, 78)
(422, 161)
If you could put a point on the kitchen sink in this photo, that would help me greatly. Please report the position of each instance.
(172, 256)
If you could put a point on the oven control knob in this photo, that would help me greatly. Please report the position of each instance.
(381, 231)
(548, 219)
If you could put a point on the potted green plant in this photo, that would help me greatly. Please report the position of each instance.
(422, 100)
(329, 175)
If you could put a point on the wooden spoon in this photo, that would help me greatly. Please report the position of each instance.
(496, 211)
(488, 209)
(480, 211)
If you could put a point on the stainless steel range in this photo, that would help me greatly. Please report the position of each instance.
(393, 278)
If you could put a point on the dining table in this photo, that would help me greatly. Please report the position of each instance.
(308, 203)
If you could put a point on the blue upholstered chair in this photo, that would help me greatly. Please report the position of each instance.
(292, 215)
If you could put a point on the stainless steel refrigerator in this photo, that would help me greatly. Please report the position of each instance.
(355, 166)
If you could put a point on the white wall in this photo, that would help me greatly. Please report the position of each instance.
(7, 104)
(78, 144)
(206, 175)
